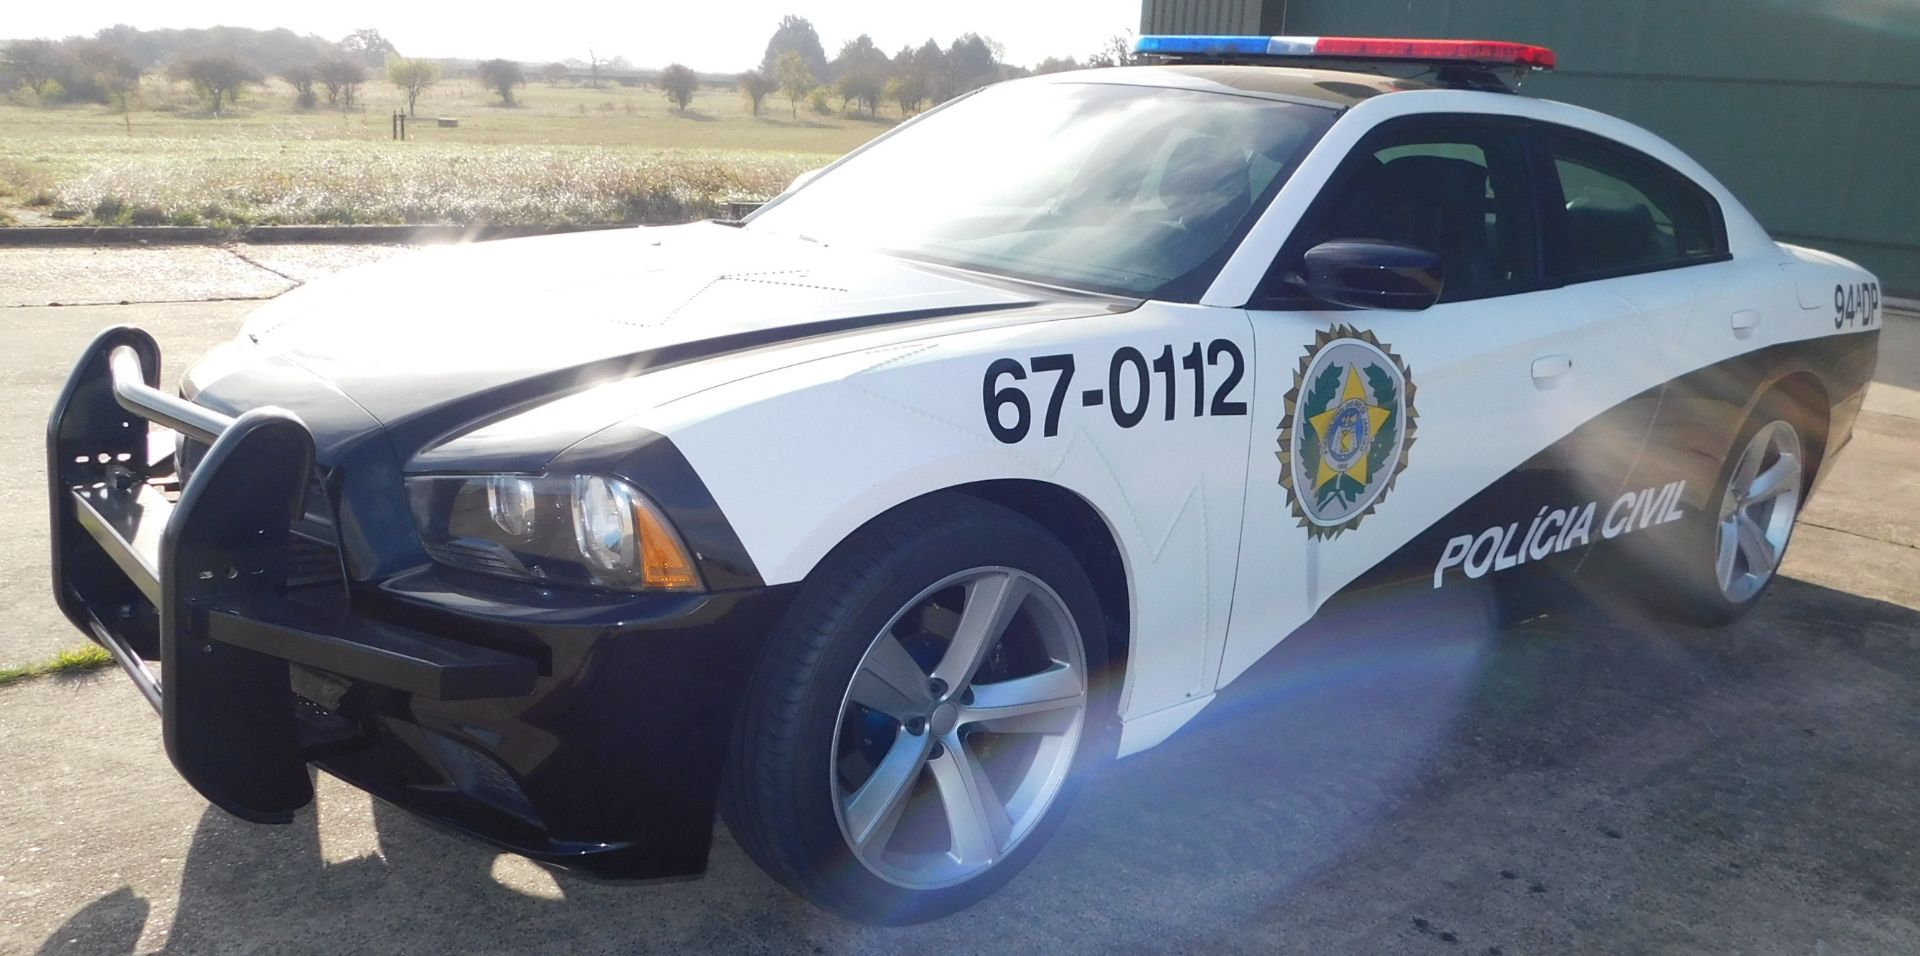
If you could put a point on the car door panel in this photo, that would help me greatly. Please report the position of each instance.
(1488, 450)
(1514, 408)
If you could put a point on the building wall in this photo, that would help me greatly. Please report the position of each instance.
(1809, 110)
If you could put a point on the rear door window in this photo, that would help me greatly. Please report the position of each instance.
(1617, 212)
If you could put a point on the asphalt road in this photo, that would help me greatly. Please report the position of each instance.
(1578, 783)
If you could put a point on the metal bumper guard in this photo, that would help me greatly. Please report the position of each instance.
(198, 585)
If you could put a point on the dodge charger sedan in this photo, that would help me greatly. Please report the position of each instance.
(992, 452)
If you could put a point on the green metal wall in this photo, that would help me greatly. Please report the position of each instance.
(1809, 111)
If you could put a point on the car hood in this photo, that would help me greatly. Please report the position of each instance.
(503, 323)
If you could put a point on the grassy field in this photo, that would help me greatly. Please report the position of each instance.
(563, 155)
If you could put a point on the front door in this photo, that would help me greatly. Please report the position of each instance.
(1445, 446)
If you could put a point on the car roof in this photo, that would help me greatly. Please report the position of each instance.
(1338, 89)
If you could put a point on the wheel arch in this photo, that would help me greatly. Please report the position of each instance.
(1807, 397)
(1075, 523)
(1079, 525)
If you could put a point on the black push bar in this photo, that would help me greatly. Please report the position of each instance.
(199, 584)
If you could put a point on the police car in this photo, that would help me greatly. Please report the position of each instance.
(992, 452)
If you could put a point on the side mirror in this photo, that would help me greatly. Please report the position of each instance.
(1371, 274)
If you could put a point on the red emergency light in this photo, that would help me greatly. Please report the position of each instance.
(1493, 54)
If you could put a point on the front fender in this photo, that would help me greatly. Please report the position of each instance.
(800, 457)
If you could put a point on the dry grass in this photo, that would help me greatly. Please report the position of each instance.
(418, 183)
(568, 155)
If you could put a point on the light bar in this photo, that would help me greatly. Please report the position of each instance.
(1488, 52)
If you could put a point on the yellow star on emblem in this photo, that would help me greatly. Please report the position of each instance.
(1351, 393)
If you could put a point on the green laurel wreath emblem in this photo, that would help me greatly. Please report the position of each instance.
(1299, 442)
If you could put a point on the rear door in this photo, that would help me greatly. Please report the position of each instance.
(1631, 228)
(1473, 438)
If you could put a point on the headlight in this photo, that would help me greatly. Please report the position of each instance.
(564, 529)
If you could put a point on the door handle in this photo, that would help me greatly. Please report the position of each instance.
(1744, 322)
(1547, 370)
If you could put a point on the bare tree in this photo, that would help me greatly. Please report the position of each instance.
(679, 82)
(412, 77)
(216, 78)
(554, 74)
(502, 76)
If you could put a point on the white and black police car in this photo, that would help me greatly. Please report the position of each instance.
(992, 452)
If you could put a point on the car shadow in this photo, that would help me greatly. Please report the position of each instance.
(1383, 776)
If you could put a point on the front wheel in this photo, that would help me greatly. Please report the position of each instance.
(914, 727)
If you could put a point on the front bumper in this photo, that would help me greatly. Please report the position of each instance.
(581, 729)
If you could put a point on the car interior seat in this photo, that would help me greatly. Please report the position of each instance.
(1436, 203)
(1611, 234)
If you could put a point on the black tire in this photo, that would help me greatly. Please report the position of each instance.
(781, 797)
(1695, 595)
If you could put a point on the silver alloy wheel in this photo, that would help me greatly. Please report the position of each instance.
(959, 728)
(1757, 512)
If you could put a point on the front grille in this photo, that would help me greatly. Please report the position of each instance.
(311, 563)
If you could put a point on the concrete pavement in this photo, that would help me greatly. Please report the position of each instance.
(1572, 784)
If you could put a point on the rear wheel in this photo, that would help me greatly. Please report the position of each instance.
(1740, 545)
(913, 730)
(1758, 507)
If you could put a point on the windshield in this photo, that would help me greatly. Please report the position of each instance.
(1135, 190)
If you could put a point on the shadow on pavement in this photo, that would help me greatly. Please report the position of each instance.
(1572, 782)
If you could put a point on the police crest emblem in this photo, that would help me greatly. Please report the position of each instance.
(1349, 424)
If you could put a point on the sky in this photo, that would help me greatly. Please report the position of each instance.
(708, 35)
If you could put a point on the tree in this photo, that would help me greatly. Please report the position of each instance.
(302, 77)
(216, 77)
(679, 82)
(501, 76)
(795, 79)
(970, 64)
(554, 74)
(593, 70)
(862, 72)
(1055, 64)
(929, 65)
(755, 86)
(116, 77)
(908, 91)
(1117, 51)
(35, 62)
(367, 47)
(795, 35)
(864, 86)
(342, 78)
(412, 77)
